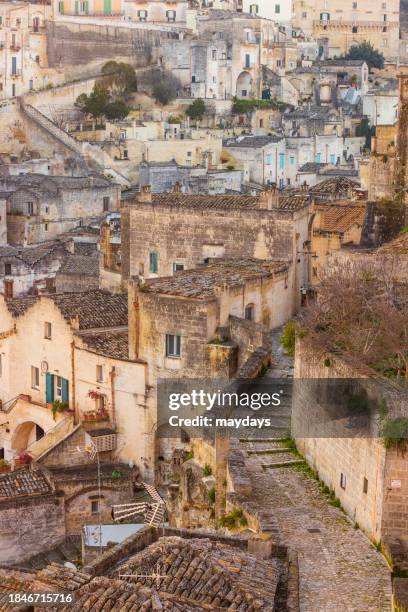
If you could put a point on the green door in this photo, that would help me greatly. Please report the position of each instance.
(107, 7)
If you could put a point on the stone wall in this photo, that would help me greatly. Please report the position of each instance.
(75, 282)
(231, 233)
(371, 482)
(29, 526)
(78, 44)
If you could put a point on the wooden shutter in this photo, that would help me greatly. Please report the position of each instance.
(49, 388)
(65, 390)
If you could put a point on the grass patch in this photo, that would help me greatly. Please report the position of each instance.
(234, 519)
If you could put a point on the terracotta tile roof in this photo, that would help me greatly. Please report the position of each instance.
(339, 186)
(398, 246)
(339, 218)
(201, 282)
(194, 575)
(198, 571)
(94, 309)
(112, 344)
(18, 306)
(23, 482)
(31, 255)
(81, 265)
(293, 202)
(181, 200)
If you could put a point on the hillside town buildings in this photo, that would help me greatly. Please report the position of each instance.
(180, 182)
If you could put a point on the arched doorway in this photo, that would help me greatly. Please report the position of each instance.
(244, 85)
(26, 434)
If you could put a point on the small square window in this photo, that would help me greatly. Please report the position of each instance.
(173, 345)
(7, 269)
(365, 485)
(47, 330)
(343, 481)
(106, 201)
(178, 267)
(45, 227)
(95, 506)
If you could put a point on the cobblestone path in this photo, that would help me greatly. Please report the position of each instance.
(339, 569)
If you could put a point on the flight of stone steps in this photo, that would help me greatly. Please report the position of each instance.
(271, 453)
(50, 127)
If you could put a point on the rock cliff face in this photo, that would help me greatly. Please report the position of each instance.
(191, 499)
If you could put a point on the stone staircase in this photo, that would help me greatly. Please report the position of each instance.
(51, 438)
(272, 453)
(56, 132)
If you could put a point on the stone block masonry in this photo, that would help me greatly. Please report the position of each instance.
(77, 44)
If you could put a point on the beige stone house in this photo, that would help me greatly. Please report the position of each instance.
(338, 25)
(41, 207)
(334, 225)
(168, 232)
(75, 368)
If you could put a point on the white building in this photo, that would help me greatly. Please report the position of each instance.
(276, 10)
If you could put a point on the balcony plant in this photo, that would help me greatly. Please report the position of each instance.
(23, 459)
(58, 406)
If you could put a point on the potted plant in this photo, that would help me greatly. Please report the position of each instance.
(23, 459)
(4, 466)
(57, 407)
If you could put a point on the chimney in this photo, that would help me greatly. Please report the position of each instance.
(145, 194)
(269, 198)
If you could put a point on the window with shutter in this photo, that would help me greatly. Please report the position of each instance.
(49, 388)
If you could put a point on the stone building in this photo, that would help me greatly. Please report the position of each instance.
(76, 370)
(166, 176)
(154, 229)
(24, 47)
(30, 269)
(40, 208)
(198, 571)
(41, 507)
(77, 273)
(334, 225)
(337, 27)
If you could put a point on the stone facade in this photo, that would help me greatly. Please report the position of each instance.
(369, 479)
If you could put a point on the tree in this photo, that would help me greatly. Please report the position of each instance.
(196, 110)
(164, 92)
(94, 104)
(162, 83)
(365, 51)
(116, 110)
(361, 311)
(364, 129)
(118, 78)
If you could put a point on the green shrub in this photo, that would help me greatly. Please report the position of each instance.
(234, 519)
(211, 495)
(288, 338)
(207, 469)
